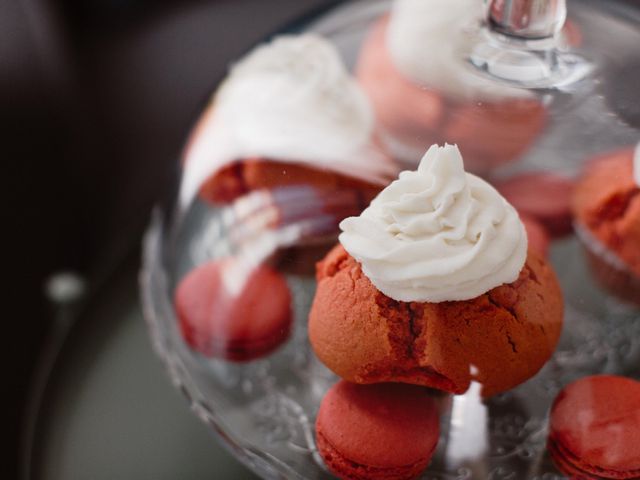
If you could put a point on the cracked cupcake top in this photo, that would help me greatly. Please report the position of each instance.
(437, 234)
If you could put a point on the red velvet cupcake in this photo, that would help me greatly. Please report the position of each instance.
(433, 281)
(287, 114)
(606, 207)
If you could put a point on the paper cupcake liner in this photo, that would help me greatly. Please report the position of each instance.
(609, 270)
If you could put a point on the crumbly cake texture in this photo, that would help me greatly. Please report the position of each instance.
(238, 326)
(488, 133)
(606, 202)
(594, 430)
(241, 177)
(383, 431)
(364, 336)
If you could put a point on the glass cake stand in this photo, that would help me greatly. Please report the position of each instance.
(264, 410)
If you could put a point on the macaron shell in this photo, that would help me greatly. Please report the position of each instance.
(388, 90)
(491, 134)
(229, 310)
(538, 237)
(348, 470)
(385, 426)
(570, 466)
(595, 425)
(544, 196)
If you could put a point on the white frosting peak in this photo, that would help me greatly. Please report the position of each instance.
(427, 42)
(636, 164)
(289, 100)
(437, 234)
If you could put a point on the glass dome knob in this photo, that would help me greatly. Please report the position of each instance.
(527, 19)
(520, 44)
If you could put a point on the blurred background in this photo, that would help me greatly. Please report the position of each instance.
(96, 99)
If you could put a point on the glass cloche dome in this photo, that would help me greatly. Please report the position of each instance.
(490, 295)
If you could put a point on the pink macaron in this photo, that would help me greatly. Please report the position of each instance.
(230, 310)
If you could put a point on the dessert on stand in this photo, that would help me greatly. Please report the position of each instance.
(433, 285)
(334, 302)
(433, 279)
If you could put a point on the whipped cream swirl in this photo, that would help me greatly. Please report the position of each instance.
(427, 40)
(289, 100)
(437, 234)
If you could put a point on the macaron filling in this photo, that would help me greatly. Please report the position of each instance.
(336, 461)
(572, 464)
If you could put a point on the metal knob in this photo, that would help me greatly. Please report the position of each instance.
(520, 44)
(527, 19)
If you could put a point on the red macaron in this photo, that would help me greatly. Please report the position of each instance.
(595, 428)
(227, 309)
(380, 431)
(538, 236)
(544, 196)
